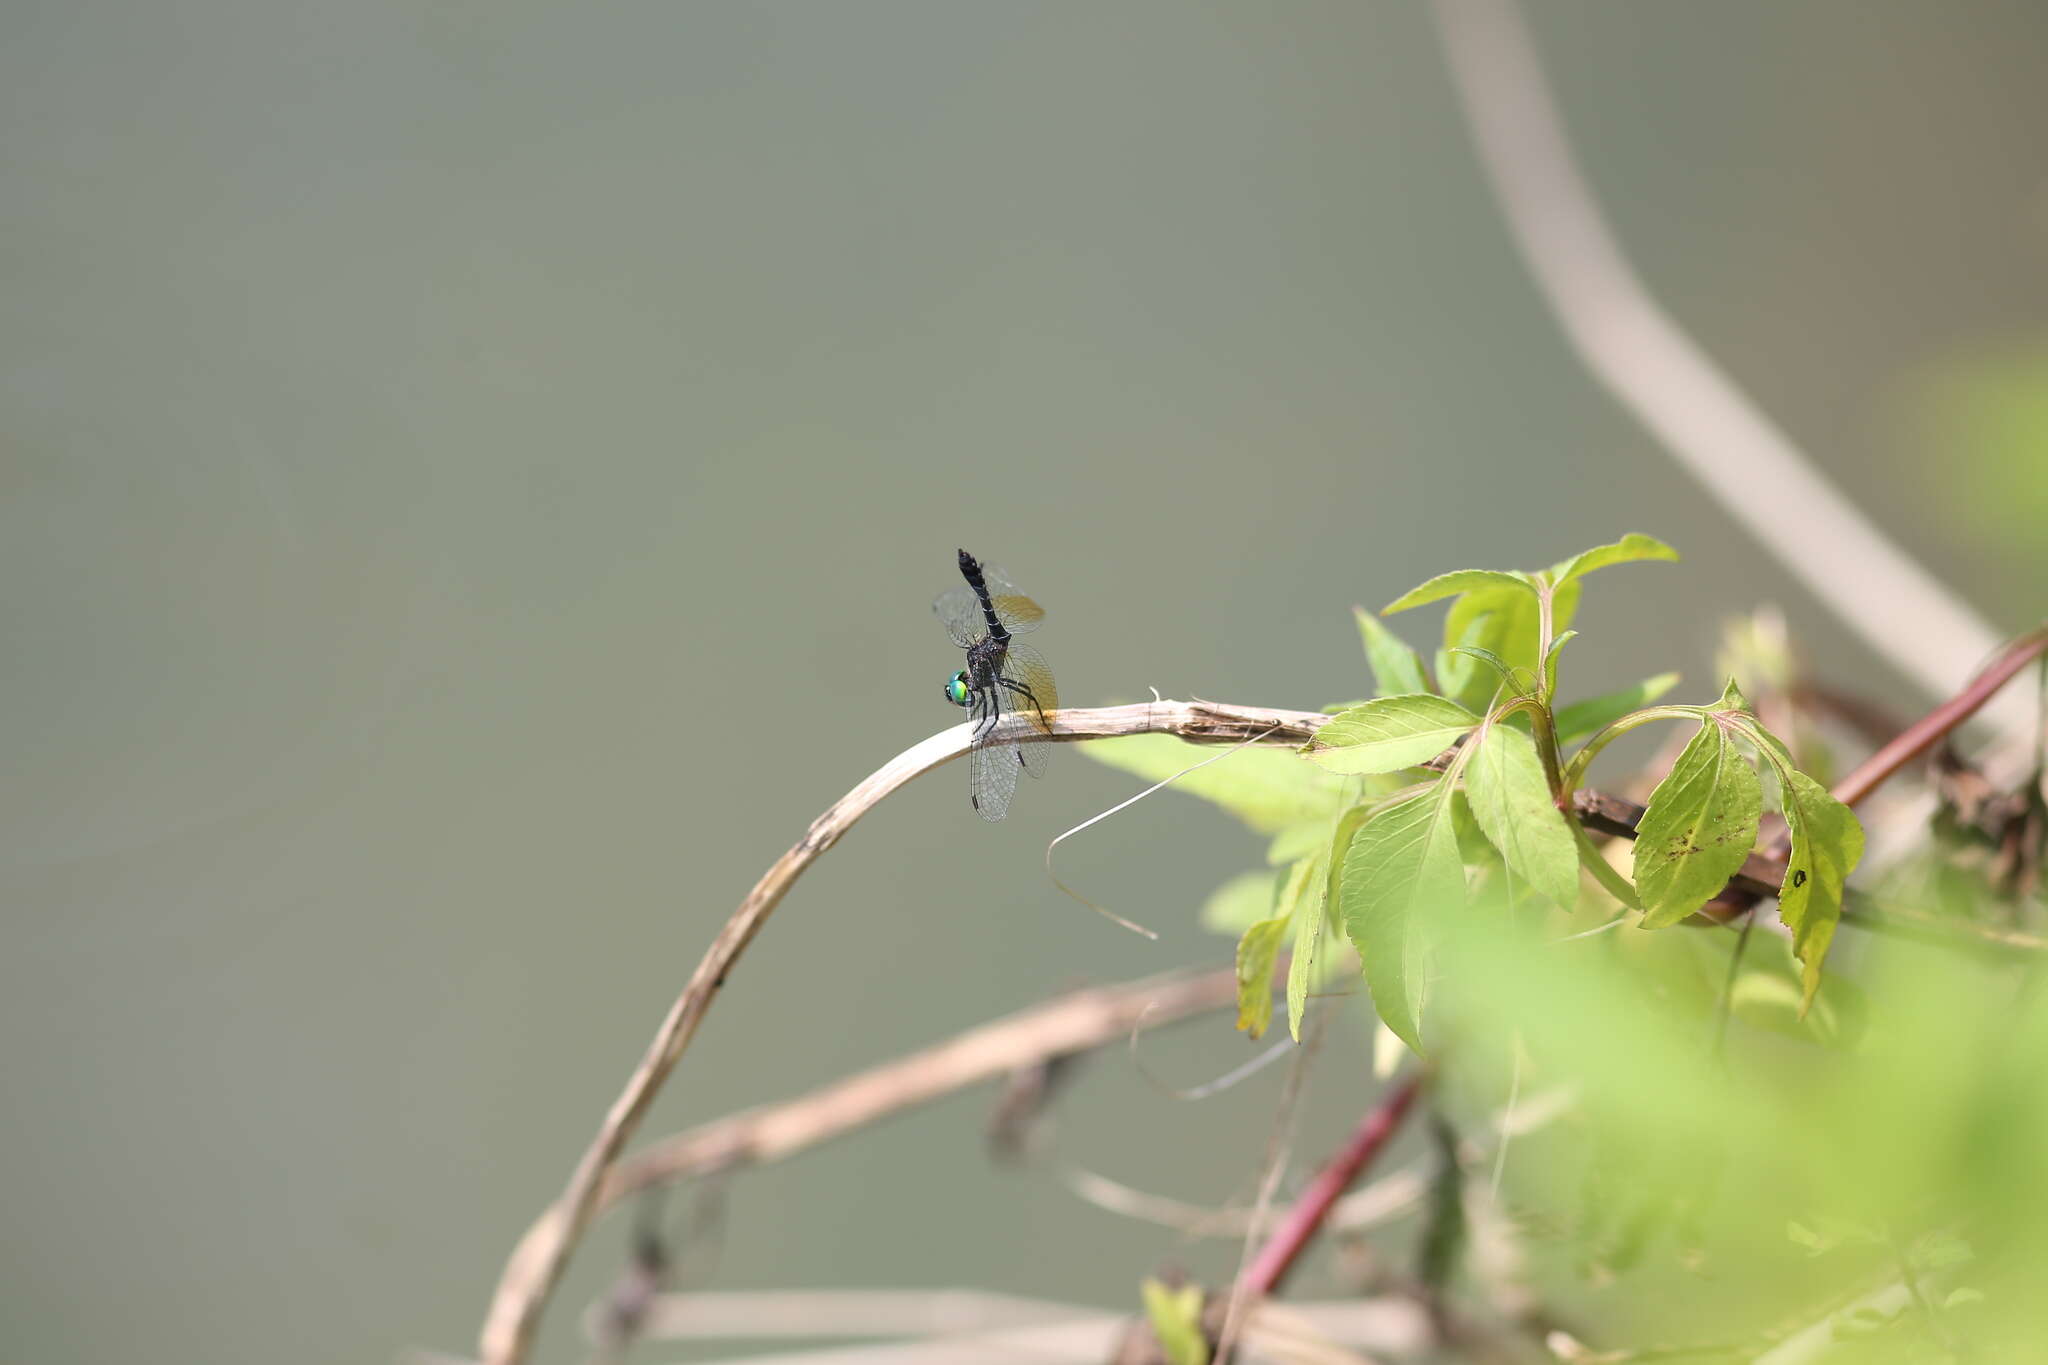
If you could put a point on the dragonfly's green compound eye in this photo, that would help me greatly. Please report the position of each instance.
(956, 689)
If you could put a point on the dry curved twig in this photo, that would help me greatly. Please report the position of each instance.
(537, 1263)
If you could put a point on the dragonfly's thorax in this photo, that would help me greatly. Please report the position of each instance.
(985, 663)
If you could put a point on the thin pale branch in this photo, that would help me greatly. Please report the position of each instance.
(1071, 1023)
(536, 1265)
(1648, 363)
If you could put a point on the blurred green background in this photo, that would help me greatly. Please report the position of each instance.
(476, 473)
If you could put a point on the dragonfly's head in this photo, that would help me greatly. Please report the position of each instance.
(957, 690)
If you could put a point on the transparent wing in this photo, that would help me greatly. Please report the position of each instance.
(1017, 612)
(960, 611)
(1034, 696)
(992, 777)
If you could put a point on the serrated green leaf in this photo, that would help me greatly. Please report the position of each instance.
(1700, 825)
(1631, 547)
(1827, 843)
(1241, 902)
(1389, 733)
(1401, 870)
(1268, 789)
(1305, 903)
(1459, 581)
(1256, 953)
(1582, 718)
(1175, 1316)
(1396, 667)
(1510, 799)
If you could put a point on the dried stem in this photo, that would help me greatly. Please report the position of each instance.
(536, 1265)
(1071, 1023)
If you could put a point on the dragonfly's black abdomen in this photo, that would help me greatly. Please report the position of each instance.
(970, 569)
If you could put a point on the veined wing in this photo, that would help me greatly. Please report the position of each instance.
(992, 776)
(1033, 695)
(959, 610)
(1017, 612)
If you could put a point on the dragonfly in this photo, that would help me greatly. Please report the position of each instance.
(1002, 678)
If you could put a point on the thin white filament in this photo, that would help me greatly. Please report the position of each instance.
(1106, 913)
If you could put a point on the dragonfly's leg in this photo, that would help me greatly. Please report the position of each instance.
(1012, 685)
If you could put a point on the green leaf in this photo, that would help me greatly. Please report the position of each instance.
(1256, 953)
(1268, 789)
(1459, 581)
(1582, 718)
(1305, 902)
(1501, 667)
(1631, 547)
(1505, 621)
(1297, 841)
(1457, 674)
(1700, 825)
(1401, 869)
(1396, 667)
(1176, 1319)
(1510, 798)
(1241, 902)
(1389, 733)
(1557, 645)
(1827, 843)
(1771, 1001)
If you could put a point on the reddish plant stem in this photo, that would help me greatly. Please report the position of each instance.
(1306, 1217)
(1917, 738)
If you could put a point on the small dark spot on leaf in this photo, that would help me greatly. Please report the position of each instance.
(1799, 876)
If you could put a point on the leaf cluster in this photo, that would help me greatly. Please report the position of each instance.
(1448, 796)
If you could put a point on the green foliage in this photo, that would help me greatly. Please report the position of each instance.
(1796, 1147)
(1507, 623)
(1266, 788)
(1631, 548)
(1700, 825)
(1584, 717)
(1390, 733)
(1175, 1315)
(1241, 902)
(1827, 843)
(1391, 867)
(1396, 667)
(1457, 583)
(1307, 966)
(1401, 872)
(1511, 800)
(1256, 953)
